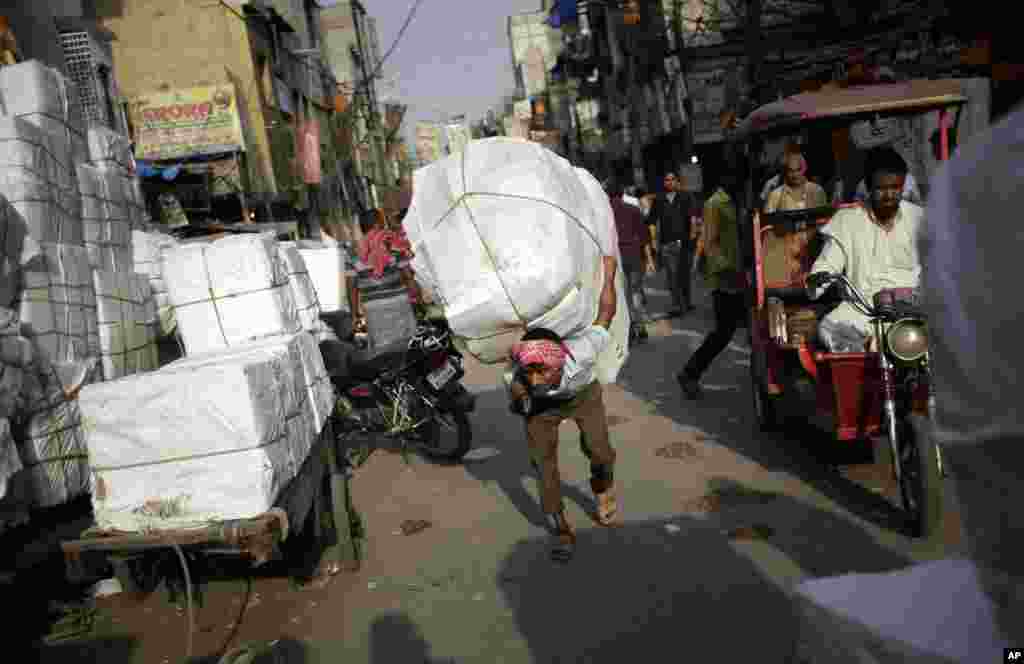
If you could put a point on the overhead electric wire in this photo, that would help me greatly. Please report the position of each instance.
(387, 54)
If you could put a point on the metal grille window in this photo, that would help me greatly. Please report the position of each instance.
(94, 99)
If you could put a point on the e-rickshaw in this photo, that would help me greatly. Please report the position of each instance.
(875, 396)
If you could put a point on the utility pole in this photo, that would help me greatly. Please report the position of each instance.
(755, 50)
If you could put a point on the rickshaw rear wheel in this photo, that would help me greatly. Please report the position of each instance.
(921, 487)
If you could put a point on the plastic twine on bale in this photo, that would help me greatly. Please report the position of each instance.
(461, 200)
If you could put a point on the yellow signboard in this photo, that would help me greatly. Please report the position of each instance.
(187, 123)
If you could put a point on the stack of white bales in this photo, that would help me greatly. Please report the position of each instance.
(110, 153)
(218, 434)
(326, 265)
(48, 291)
(148, 248)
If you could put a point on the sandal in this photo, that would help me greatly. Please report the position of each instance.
(607, 507)
(564, 544)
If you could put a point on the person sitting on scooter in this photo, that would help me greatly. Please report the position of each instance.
(877, 249)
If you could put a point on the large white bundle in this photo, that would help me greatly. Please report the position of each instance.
(42, 96)
(147, 256)
(302, 287)
(213, 438)
(126, 319)
(109, 150)
(106, 223)
(610, 362)
(505, 234)
(35, 182)
(58, 304)
(229, 291)
(327, 265)
(10, 461)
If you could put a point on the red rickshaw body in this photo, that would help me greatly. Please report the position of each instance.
(847, 386)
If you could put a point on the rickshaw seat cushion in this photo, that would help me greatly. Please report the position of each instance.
(789, 294)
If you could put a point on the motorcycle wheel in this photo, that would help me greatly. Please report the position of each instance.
(447, 443)
(921, 487)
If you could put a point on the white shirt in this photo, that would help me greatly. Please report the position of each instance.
(584, 349)
(631, 200)
(875, 259)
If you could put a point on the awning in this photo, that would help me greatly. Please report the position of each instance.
(921, 94)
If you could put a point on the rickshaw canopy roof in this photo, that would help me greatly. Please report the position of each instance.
(792, 111)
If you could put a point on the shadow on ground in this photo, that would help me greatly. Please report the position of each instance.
(395, 638)
(677, 589)
(725, 411)
(504, 435)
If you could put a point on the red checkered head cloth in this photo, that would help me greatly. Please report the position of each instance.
(550, 354)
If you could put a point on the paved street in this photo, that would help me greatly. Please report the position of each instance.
(718, 522)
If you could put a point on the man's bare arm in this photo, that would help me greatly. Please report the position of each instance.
(608, 301)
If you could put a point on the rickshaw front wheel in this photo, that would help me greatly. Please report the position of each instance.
(921, 487)
(765, 408)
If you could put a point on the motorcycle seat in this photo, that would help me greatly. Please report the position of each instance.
(361, 367)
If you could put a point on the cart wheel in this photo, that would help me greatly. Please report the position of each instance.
(138, 575)
(765, 406)
(921, 486)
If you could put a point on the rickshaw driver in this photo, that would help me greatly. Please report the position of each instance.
(878, 250)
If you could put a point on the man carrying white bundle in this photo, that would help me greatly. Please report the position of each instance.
(552, 380)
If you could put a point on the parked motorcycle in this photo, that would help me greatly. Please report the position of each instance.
(901, 339)
(413, 393)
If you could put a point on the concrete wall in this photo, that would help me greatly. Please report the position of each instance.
(339, 35)
(36, 30)
(173, 44)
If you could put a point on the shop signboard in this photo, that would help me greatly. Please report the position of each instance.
(184, 123)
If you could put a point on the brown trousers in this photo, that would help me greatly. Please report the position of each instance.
(587, 410)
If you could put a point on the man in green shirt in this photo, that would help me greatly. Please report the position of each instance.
(722, 273)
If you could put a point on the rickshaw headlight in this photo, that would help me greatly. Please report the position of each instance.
(908, 340)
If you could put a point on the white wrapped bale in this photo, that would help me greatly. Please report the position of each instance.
(126, 323)
(109, 150)
(35, 183)
(147, 254)
(13, 235)
(58, 304)
(106, 224)
(229, 292)
(302, 287)
(506, 236)
(16, 358)
(42, 96)
(53, 450)
(10, 461)
(212, 438)
(327, 266)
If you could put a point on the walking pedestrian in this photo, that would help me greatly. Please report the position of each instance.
(637, 257)
(673, 235)
(552, 380)
(723, 276)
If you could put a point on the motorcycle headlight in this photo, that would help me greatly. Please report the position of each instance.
(908, 340)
